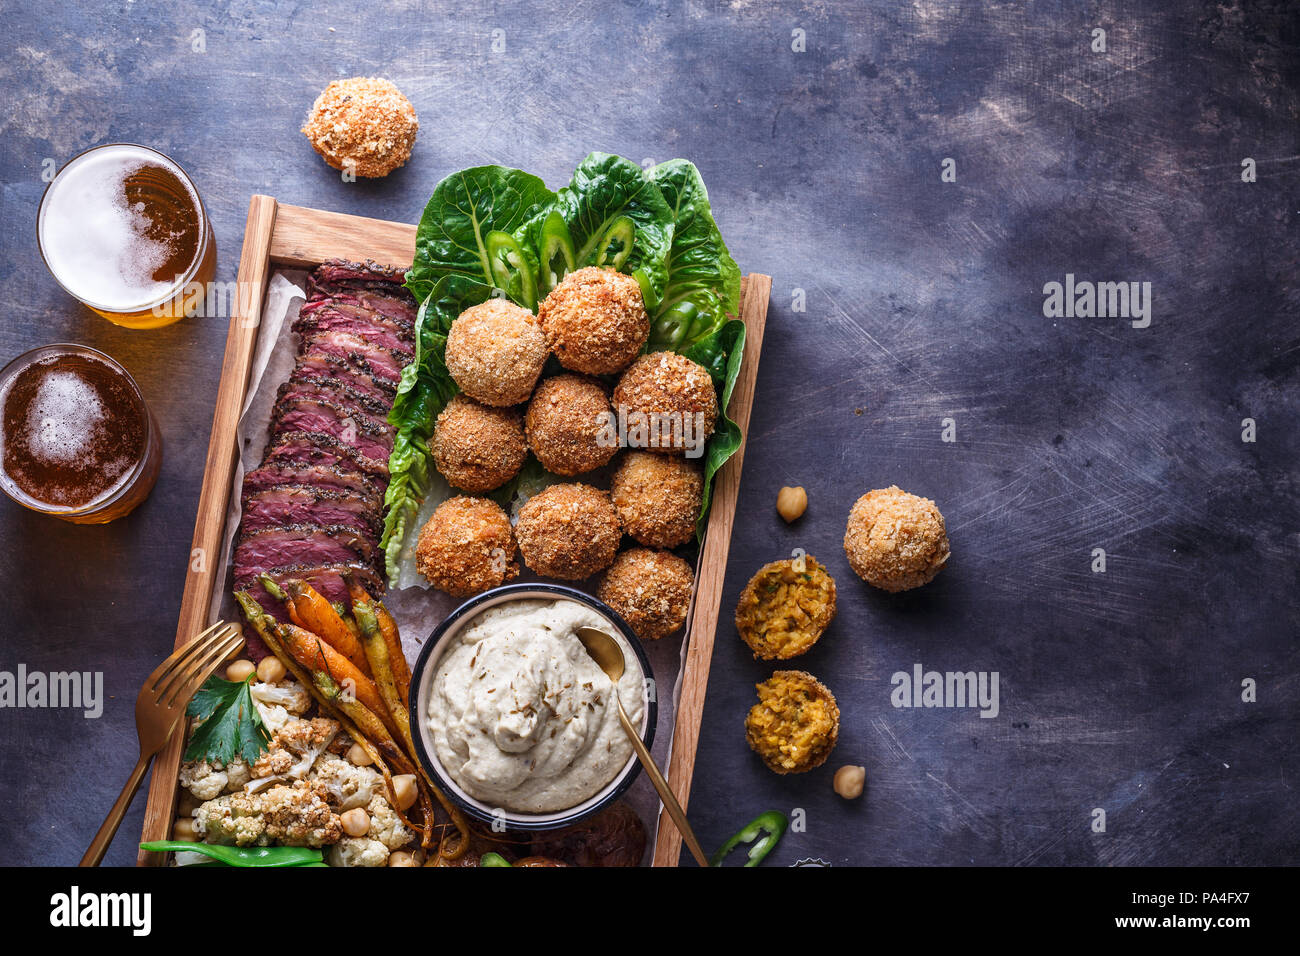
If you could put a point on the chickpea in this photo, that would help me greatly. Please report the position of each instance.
(183, 829)
(239, 648)
(358, 757)
(404, 790)
(401, 858)
(791, 503)
(355, 822)
(240, 671)
(850, 781)
(270, 670)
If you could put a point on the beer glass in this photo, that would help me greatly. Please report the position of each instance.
(76, 438)
(123, 230)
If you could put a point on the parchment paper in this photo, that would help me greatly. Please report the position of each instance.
(417, 610)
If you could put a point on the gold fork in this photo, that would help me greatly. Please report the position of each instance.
(159, 709)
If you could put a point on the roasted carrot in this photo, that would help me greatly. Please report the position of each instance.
(315, 655)
(401, 669)
(308, 610)
(388, 629)
(381, 667)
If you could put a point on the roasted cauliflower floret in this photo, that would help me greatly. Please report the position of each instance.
(300, 816)
(294, 749)
(232, 820)
(295, 815)
(358, 851)
(346, 785)
(209, 779)
(274, 717)
(292, 696)
(386, 826)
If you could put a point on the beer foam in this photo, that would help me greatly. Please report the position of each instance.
(95, 243)
(62, 419)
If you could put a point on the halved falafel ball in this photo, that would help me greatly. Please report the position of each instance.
(495, 352)
(785, 608)
(675, 399)
(658, 497)
(894, 540)
(567, 425)
(478, 448)
(466, 547)
(568, 531)
(650, 589)
(795, 724)
(595, 321)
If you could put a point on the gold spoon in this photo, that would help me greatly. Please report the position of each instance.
(604, 650)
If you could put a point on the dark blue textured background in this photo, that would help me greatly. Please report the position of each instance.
(1119, 690)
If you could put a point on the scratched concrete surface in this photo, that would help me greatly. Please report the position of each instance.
(1119, 691)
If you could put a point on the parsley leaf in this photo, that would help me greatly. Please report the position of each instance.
(231, 724)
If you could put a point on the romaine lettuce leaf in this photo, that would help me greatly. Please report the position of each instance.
(703, 282)
(465, 212)
(618, 217)
(720, 352)
(701, 293)
(425, 387)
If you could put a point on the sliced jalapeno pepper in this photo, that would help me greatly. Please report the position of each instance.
(676, 326)
(764, 831)
(505, 254)
(556, 248)
(621, 233)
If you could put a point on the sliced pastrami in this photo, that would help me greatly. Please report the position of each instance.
(301, 505)
(315, 448)
(327, 477)
(349, 426)
(259, 551)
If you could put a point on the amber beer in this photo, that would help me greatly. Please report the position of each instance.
(78, 441)
(122, 228)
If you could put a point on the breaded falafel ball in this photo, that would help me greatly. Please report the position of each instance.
(795, 724)
(894, 540)
(567, 425)
(658, 497)
(466, 547)
(674, 396)
(495, 352)
(595, 321)
(568, 531)
(785, 608)
(363, 124)
(651, 590)
(478, 448)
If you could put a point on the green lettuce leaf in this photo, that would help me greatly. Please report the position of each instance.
(720, 352)
(703, 282)
(701, 294)
(425, 387)
(607, 194)
(455, 232)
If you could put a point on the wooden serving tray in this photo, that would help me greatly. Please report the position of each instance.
(279, 235)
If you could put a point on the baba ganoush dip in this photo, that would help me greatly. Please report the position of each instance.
(521, 717)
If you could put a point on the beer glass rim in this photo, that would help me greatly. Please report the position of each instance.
(190, 271)
(16, 365)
